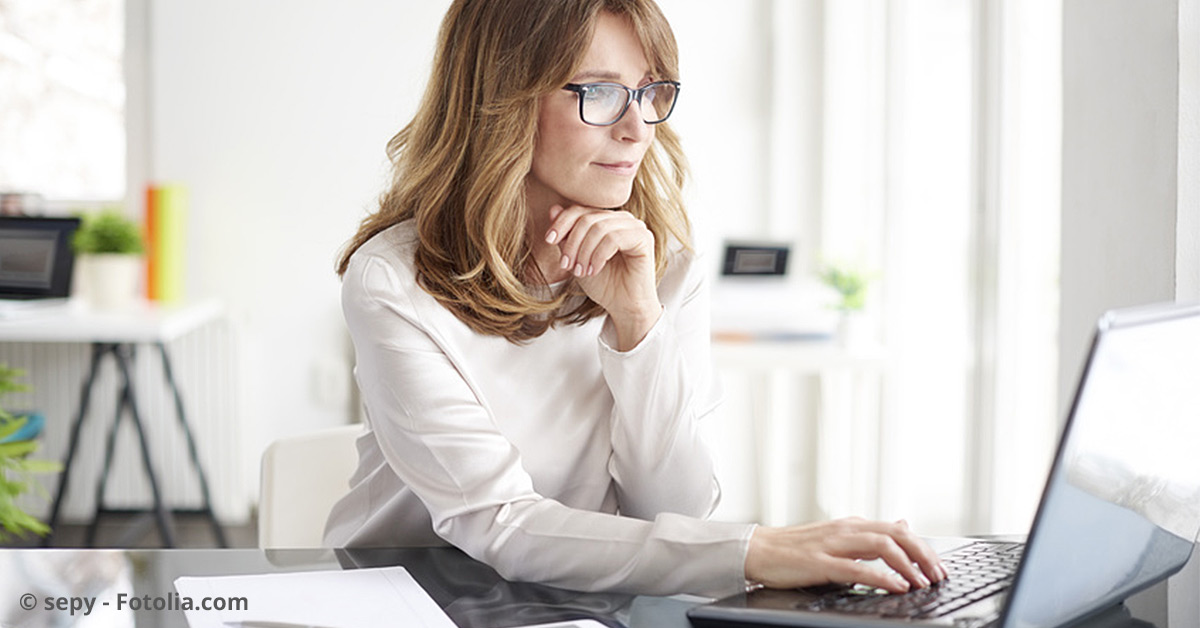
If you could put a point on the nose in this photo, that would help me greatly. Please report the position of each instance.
(632, 126)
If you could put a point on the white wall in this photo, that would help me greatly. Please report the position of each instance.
(1184, 589)
(1131, 207)
(723, 114)
(1120, 74)
(276, 116)
(1187, 280)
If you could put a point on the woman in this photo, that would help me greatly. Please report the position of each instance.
(534, 364)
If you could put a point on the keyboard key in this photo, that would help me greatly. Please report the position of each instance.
(977, 571)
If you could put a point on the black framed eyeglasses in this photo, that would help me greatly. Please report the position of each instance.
(603, 104)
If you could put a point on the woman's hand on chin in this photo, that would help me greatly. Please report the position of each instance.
(611, 255)
(830, 552)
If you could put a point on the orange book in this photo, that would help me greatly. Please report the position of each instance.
(151, 245)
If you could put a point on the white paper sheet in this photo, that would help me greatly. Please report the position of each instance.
(356, 598)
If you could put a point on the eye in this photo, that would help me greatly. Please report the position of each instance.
(603, 94)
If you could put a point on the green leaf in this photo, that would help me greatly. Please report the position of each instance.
(10, 426)
(17, 522)
(8, 379)
(17, 448)
(108, 231)
(41, 466)
(16, 467)
(850, 283)
(10, 490)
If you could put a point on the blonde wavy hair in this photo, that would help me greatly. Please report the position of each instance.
(459, 167)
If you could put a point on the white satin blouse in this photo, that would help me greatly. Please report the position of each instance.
(560, 460)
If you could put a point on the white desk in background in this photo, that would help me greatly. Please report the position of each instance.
(840, 445)
(118, 334)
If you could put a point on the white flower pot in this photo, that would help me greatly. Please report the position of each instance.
(110, 281)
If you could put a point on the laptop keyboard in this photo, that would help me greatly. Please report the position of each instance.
(977, 571)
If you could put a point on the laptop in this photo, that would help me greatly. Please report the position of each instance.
(1120, 511)
(36, 263)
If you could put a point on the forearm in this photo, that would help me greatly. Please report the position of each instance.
(659, 462)
(547, 542)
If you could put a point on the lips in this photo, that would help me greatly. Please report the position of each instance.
(625, 168)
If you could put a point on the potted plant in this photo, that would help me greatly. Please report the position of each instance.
(16, 467)
(850, 284)
(111, 247)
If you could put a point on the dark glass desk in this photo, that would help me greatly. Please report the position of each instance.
(471, 593)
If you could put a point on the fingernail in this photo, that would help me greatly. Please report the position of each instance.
(551, 237)
(590, 271)
(945, 572)
(901, 582)
(579, 270)
(566, 262)
(925, 583)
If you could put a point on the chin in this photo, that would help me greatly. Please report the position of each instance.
(607, 199)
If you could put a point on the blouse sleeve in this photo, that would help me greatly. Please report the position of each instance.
(661, 389)
(444, 445)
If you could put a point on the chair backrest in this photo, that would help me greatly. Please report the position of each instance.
(301, 478)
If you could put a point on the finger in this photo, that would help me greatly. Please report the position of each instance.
(848, 570)
(599, 246)
(619, 235)
(917, 549)
(583, 232)
(562, 219)
(612, 244)
(552, 233)
(920, 552)
(872, 545)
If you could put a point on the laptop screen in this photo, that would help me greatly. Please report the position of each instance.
(1122, 506)
(36, 260)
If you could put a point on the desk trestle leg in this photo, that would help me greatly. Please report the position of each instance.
(65, 474)
(207, 509)
(123, 355)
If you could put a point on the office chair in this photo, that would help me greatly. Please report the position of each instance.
(301, 478)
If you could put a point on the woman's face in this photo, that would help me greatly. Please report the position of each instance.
(578, 164)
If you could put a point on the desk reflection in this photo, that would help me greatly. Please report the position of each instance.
(475, 596)
(471, 593)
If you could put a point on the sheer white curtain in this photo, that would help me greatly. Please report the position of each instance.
(960, 216)
(899, 121)
(952, 110)
(918, 139)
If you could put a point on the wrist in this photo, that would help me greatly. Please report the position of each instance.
(758, 554)
(632, 326)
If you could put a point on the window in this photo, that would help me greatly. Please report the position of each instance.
(920, 140)
(942, 152)
(62, 125)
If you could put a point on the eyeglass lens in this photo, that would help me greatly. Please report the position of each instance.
(604, 103)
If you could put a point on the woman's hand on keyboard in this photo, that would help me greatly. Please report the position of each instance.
(831, 552)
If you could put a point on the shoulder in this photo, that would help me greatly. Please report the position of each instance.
(382, 271)
(393, 246)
